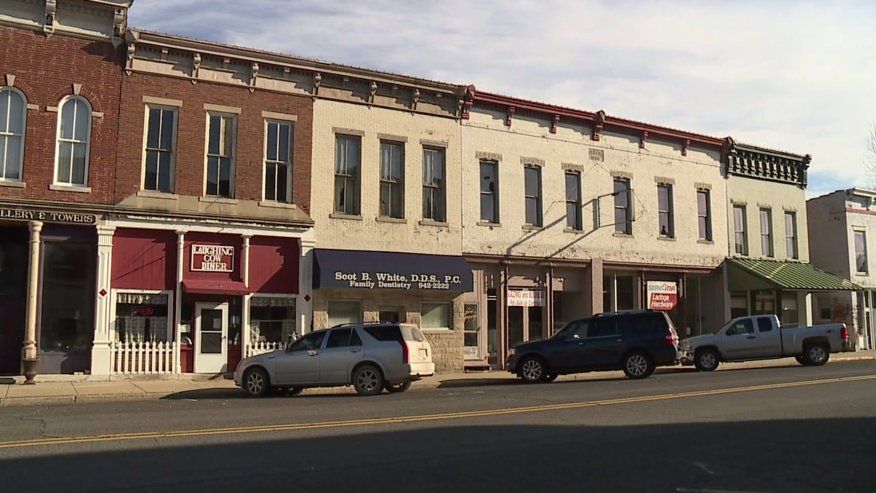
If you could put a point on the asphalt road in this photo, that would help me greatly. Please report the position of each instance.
(776, 429)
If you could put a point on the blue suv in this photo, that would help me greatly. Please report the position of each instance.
(635, 342)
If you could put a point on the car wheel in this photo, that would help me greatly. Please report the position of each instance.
(550, 377)
(256, 382)
(638, 365)
(816, 354)
(399, 387)
(295, 390)
(532, 370)
(707, 360)
(367, 380)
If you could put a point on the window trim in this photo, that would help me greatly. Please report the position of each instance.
(58, 120)
(866, 270)
(539, 199)
(20, 178)
(710, 233)
(796, 236)
(147, 106)
(400, 183)
(114, 292)
(232, 186)
(766, 235)
(744, 231)
(670, 211)
(497, 218)
(628, 223)
(442, 189)
(579, 206)
(289, 180)
(358, 182)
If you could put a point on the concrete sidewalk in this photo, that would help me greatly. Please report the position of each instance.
(59, 392)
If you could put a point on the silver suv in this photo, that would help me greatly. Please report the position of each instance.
(370, 357)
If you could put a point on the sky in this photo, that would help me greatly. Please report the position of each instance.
(794, 76)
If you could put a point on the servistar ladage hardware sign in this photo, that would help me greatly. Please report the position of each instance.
(212, 258)
(662, 295)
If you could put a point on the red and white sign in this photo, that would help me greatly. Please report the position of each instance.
(212, 258)
(662, 295)
(525, 297)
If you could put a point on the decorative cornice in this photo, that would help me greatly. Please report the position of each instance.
(766, 164)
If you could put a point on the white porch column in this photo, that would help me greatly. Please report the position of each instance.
(29, 349)
(804, 308)
(244, 316)
(177, 301)
(304, 302)
(101, 353)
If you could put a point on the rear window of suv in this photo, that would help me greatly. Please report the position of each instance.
(385, 332)
(412, 332)
(650, 323)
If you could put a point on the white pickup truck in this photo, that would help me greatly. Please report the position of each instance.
(763, 337)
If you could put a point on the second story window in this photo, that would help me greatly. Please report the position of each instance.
(623, 218)
(861, 266)
(704, 215)
(348, 155)
(160, 143)
(74, 136)
(392, 180)
(434, 206)
(532, 193)
(665, 213)
(766, 232)
(278, 161)
(220, 155)
(740, 236)
(791, 235)
(13, 111)
(573, 201)
(490, 192)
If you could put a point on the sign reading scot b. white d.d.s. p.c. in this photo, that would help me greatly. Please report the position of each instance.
(386, 280)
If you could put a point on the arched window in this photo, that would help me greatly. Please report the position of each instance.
(74, 136)
(13, 111)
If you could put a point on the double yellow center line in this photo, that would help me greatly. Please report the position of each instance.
(416, 418)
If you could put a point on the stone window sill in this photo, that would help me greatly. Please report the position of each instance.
(489, 224)
(388, 219)
(349, 217)
(706, 242)
(666, 238)
(438, 330)
(219, 200)
(70, 188)
(13, 184)
(152, 194)
(573, 231)
(532, 227)
(623, 235)
(277, 205)
(429, 222)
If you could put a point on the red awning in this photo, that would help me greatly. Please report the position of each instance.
(206, 286)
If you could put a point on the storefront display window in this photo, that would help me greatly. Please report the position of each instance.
(435, 316)
(790, 314)
(67, 322)
(271, 318)
(344, 312)
(738, 305)
(765, 303)
(142, 317)
(472, 330)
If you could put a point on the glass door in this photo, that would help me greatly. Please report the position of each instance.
(211, 333)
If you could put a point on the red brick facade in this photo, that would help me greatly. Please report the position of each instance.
(191, 134)
(45, 69)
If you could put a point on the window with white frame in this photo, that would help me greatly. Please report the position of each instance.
(434, 186)
(160, 146)
(435, 316)
(271, 318)
(740, 231)
(142, 317)
(791, 234)
(13, 113)
(278, 161)
(766, 232)
(74, 137)
(221, 131)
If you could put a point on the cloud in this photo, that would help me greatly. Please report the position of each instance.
(788, 75)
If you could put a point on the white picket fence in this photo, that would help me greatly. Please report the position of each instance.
(262, 347)
(142, 358)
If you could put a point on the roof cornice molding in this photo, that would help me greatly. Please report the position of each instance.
(766, 164)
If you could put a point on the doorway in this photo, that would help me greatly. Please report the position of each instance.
(211, 334)
(525, 316)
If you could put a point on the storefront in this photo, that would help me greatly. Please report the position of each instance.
(353, 286)
(201, 298)
(47, 289)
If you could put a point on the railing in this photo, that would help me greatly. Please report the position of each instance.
(142, 358)
(262, 347)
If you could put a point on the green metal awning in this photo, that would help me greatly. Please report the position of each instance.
(793, 275)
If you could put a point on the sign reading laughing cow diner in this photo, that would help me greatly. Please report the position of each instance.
(212, 258)
(662, 295)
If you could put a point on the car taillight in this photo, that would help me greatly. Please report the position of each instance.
(406, 357)
(671, 339)
(844, 333)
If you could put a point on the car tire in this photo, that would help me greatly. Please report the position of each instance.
(816, 354)
(368, 380)
(638, 365)
(532, 370)
(800, 359)
(707, 360)
(397, 388)
(295, 390)
(256, 382)
(550, 377)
